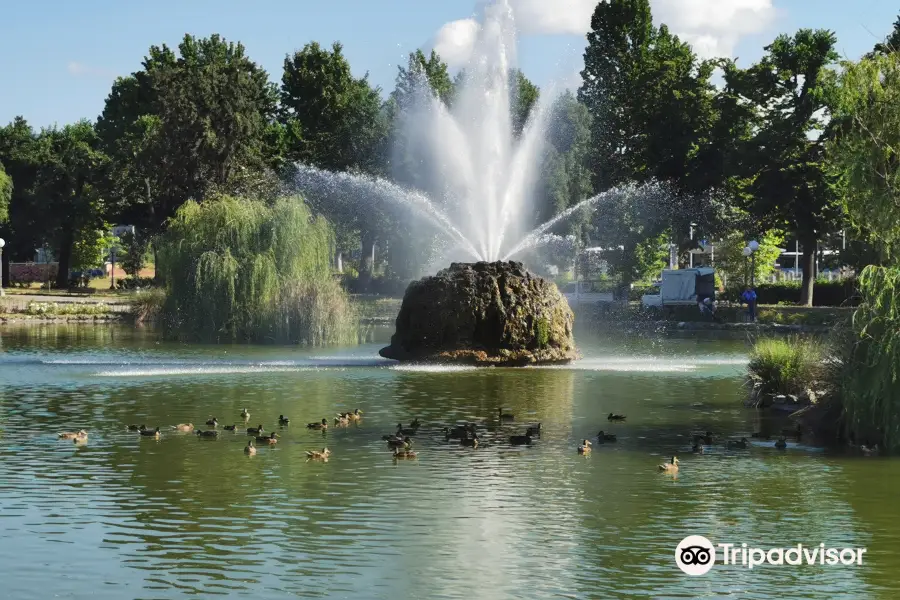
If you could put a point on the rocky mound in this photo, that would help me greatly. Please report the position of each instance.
(485, 313)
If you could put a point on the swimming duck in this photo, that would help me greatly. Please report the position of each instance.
(400, 443)
(323, 424)
(781, 444)
(255, 430)
(401, 431)
(742, 444)
(245, 414)
(505, 416)
(250, 449)
(341, 420)
(612, 417)
(188, 427)
(585, 447)
(231, 428)
(72, 435)
(534, 430)
(460, 431)
(356, 415)
(603, 437)
(213, 422)
(267, 439)
(697, 449)
(150, 432)
(520, 440)
(471, 442)
(136, 427)
(283, 420)
(398, 453)
(392, 437)
(669, 467)
(207, 433)
(316, 454)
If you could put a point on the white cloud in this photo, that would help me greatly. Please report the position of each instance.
(713, 27)
(455, 40)
(82, 70)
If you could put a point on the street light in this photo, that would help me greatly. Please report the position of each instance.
(750, 250)
(2, 243)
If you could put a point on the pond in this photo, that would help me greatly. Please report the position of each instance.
(129, 517)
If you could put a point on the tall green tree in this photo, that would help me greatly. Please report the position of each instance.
(6, 188)
(23, 230)
(187, 123)
(789, 92)
(524, 95)
(71, 166)
(435, 72)
(865, 149)
(654, 116)
(890, 44)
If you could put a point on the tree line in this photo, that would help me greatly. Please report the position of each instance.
(795, 146)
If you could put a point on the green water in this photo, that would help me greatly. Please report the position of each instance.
(126, 517)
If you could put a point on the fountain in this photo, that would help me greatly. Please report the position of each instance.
(490, 311)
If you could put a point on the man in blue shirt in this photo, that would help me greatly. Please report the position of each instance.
(749, 298)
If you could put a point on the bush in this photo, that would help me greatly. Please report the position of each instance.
(134, 283)
(65, 308)
(147, 304)
(825, 293)
(785, 366)
(24, 274)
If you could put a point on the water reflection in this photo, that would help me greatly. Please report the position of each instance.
(125, 516)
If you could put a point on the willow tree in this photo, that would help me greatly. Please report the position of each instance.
(866, 150)
(242, 270)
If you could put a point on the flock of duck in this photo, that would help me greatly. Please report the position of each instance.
(400, 441)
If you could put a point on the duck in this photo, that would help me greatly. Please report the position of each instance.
(150, 432)
(534, 430)
(867, 450)
(669, 467)
(505, 416)
(520, 440)
(460, 431)
(697, 449)
(604, 437)
(231, 428)
(245, 414)
(207, 433)
(188, 427)
(392, 437)
(73, 435)
(612, 417)
(471, 442)
(267, 439)
(283, 420)
(323, 424)
(213, 422)
(399, 443)
(781, 444)
(398, 453)
(741, 444)
(585, 447)
(250, 449)
(136, 427)
(317, 454)
(341, 420)
(255, 430)
(356, 415)
(401, 431)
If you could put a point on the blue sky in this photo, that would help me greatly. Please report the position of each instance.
(58, 58)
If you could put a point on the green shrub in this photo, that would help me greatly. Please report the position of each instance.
(825, 293)
(785, 366)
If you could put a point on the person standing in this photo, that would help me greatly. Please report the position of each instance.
(749, 298)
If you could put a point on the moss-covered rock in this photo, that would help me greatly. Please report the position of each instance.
(484, 313)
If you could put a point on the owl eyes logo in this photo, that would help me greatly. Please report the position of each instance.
(695, 555)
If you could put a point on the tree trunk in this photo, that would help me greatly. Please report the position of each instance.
(4, 269)
(65, 257)
(808, 264)
(367, 260)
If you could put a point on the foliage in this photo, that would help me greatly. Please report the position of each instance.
(735, 268)
(66, 308)
(522, 99)
(242, 270)
(864, 152)
(827, 293)
(6, 188)
(147, 305)
(88, 251)
(786, 97)
(25, 274)
(185, 124)
(869, 377)
(786, 366)
(134, 248)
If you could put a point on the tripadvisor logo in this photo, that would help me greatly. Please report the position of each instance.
(696, 555)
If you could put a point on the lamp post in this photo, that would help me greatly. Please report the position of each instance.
(2, 243)
(750, 251)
